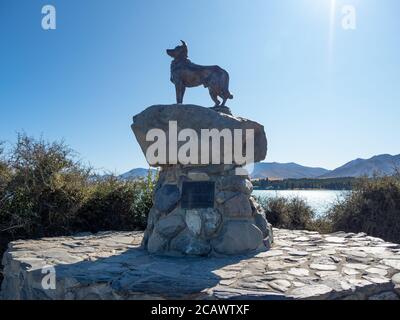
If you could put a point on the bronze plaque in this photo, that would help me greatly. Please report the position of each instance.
(198, 194)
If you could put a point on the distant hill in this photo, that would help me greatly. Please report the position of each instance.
(137, 173)
(275, 170)
(261, 170)
(384, 164)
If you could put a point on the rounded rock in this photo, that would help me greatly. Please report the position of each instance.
(238, 206)
(167, 197)
(238, 237)
(170, 225)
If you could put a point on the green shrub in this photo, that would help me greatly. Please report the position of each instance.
(373, 207)
(293, 213)
(114, 204)
(5, 170)
(45, 191)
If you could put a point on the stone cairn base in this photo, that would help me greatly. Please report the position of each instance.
(112, 265)
(235, 223)
(203, 210)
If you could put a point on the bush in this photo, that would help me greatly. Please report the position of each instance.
(5, 171)
(116, 205)
(373, 207)
(45, 191)
(293, 213)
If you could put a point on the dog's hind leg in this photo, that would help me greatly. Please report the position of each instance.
(223, 102)
(214, 96)
(225, 96)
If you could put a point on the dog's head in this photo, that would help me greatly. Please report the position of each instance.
(180, 52)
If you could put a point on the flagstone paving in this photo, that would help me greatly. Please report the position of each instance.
(111, 265)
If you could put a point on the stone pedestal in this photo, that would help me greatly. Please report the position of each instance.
(202, 210)
(222, 109)
(205, 210)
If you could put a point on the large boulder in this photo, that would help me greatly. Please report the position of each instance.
(196, 118)
(238, 237)
(156, 243)
(170, 225)
(166, 197)
(238, 207)
(187, 243)
(236, 184)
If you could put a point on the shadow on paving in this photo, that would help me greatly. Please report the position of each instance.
(137, 273)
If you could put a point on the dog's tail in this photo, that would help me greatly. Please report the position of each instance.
(228, 95)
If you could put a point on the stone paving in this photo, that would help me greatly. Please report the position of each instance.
(111, 265)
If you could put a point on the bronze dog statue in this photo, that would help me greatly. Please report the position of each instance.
(185, 74)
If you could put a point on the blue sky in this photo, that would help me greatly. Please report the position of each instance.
(324, 100)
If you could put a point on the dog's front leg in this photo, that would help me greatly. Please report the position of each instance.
(180, 92)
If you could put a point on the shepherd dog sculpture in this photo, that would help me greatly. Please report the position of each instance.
(185, 74)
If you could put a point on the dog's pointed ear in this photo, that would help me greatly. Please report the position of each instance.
(184, 43)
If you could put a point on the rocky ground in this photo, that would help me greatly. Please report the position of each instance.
(300, 265)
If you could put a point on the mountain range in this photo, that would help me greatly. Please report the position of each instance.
(278, 171)
(384, 164)
(137, 173)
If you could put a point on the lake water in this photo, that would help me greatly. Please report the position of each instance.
(318, 200)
